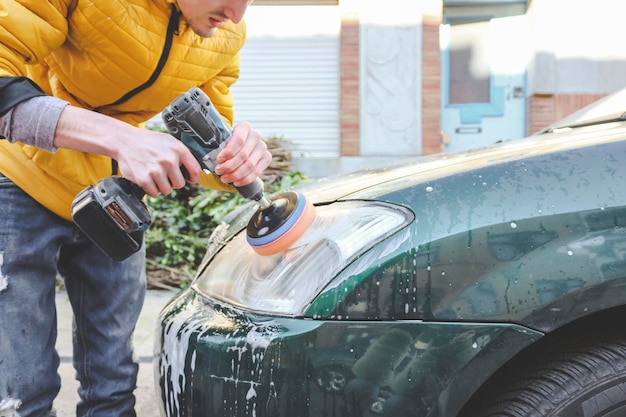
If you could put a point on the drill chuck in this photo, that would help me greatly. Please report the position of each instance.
(254, 191)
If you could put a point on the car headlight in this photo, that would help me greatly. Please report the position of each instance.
(287, 282)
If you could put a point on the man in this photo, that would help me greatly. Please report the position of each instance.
(76, 79)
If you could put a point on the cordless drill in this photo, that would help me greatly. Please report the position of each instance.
(276, 225)
(194, 120)
(113, 215)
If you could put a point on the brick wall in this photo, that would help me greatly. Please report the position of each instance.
(349, 100)
(432, 140)
(545, 109)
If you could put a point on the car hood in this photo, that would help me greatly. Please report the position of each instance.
(374, 183)
(334, 188)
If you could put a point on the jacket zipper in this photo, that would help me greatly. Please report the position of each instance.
(172, 28)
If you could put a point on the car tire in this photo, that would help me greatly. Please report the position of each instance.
(586, 381)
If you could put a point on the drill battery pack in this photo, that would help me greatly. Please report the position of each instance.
(113, 215)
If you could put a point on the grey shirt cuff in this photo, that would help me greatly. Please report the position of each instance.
(33, 122)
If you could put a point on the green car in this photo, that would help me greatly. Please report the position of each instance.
(483, 283)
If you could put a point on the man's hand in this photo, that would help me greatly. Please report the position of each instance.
(150, 159)
(244, 158)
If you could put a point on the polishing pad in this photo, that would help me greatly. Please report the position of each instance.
(273, 229)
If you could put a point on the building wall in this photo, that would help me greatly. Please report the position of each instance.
(577, 57)
(389, 74)
(390, 91)
(289, 84)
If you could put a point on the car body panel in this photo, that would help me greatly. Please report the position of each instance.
(476, 239)
(528, 274)
(255, 365)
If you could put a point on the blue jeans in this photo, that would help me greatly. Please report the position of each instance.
(106, 298)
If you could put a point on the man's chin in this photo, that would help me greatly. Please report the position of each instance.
(204, 32)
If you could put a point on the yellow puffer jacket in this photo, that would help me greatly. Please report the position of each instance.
(94, 52)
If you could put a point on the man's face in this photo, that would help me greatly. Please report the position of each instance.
(205, 16)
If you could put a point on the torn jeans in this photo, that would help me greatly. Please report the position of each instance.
(106, 297)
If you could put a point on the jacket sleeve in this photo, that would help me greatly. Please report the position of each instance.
(218, 88)
(15, 90)
(30, 30)
(33, 122)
